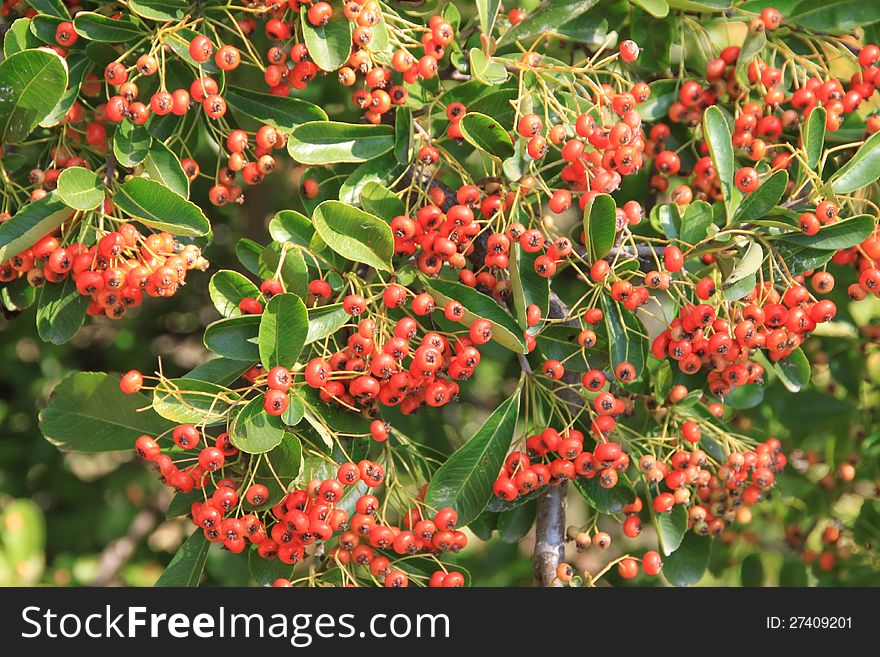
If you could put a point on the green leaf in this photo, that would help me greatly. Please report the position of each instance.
(545, 18)
(403, 134)
(190, 401)
(606, 500)
(527, 286)
(248, 253)
(163, 166)
(80, 188)
(19, 37)
(754, 45)
(626, 342)
(284, 325)
(222, 371)
(487, 10)
(97, 27)
(286, 462)
(486, 134)
(657, 8)
(329, 45)
(479, 306)
(514, 524)
(155, 205)
(842, 234)
(793, 573)
(235, 338)
(757, 204)
(291, 226)
(51, 7)
(671, 528)
(793, 370)
(131, 143)
(293, 272)
(696, 221)
(227, 289)
(61, 310)
(87, 412)
(813, 136)
(266, 571)
(654, 37)
(378, 170)
(600, 225)
(78, 67)
(800, 259)
(329, 142)
(744, 270)
(281, 112)
(485, 70)
(377, 199)
(325, 320)
(752, 571)
(716, 132)
(464, 482)
(701, 6)
(253, 430)
(861, 169)
(354, 234)
(31, 223)
(160, 10)
(663, 94)
(33, 82)
(835, 16)
(687, 565)
(188, 563)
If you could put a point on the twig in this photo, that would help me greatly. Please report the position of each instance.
(117, 553)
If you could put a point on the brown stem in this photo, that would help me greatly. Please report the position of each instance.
(117, 553)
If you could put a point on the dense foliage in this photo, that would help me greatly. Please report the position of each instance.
(597, 277)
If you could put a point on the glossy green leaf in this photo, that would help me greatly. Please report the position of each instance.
(222, 371)
(377, 199)
(526, 285)
(253, 430)
(672, 526)
(861, 169)
(163, 166)
(329, 142)
(606, 500)
(87, 412)
(657, 8)
(248, 253)
(325, 321)
(487, 10)
(51, 7)
(479, 306)
(486, 134)
(282, 112)
(291, 226)
(842, 234)
(757, 204)
(354, 234)
(545, 17)
(744, 270)
(600, 225)
(626, 340)
(379, 170)
(154, 205)
(695, 223)
(61, 310)
(188, 563)
(292, 271)
(754, 44)
(235, 338)
(131, 143)
(813, 136)
(485, 70)
(97, 27)
(33, 82)
(404, 132)
(793, 573)
(687, 565)
(160, 10)
(227, 289)
(80, 188)
(191, 401)
(793, 370)
(716, 132)
(330, 44)
(836, 16)
(752, 571)
(514, 524)
(284, 325)
(464, 482)
(286, 462)
(32, 222)
(19, 37)
(78, 66)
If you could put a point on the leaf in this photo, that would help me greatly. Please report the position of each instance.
(487, 10)
(266, 571)
(248, 253)
(235, 338)
(378, 170)
(793, 370)
(835, 16)
(31, 223)
(163, 166)
(291, 226)
(96, 27)
(663, 94)
(479, 306)
(61, 310)
(87, 412)
(330, 44)
(464, 482)
(131, 143)
(655, 37)
(545, 18)
(78, 67)
(354, 234)
(606, 500)
(793, 573)
(813, 136)
(227, 289)
(752, 571)
(696, 222)
(486, 134)
(190, 401)
(286, 461)
(842, 234)
(755, 43)
(155, 205)
(861, 169)
(253, 430)
(515, 523)
(51, 7)
(377, 199)
(747, 266)
(325, 321)
(330, 142)
(403, 134)
(485, 70)
(222, 371)
(626, 344)
(281, 112)
(671, 528)
(283, 328)
(716, 132)
(666, 219)
(687, 565)
(80, 188)
(657, 8)
(757, 204)
(33, 82)
(527, 286)
(19, 37)
(800, 259)
(160, 10)
(293, 272)
(600, 225)
(188, 563)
